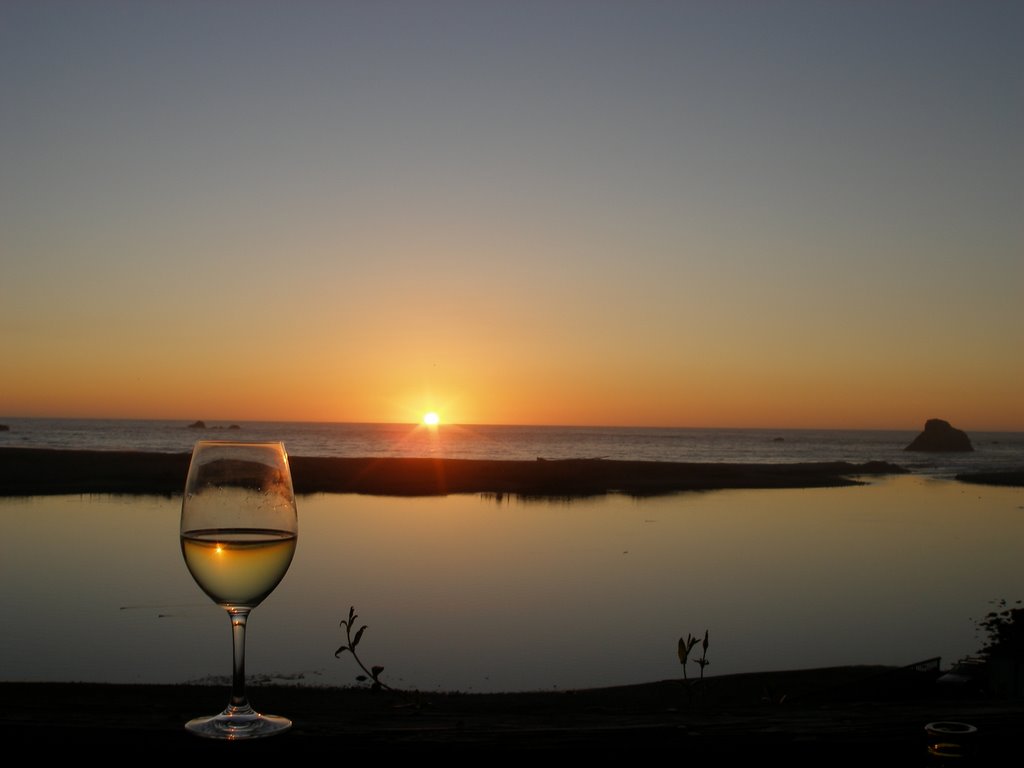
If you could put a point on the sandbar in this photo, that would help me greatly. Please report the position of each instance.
(37, 472)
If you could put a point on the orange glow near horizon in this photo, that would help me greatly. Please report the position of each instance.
(539, 388)
(664, 406)
(667, 248)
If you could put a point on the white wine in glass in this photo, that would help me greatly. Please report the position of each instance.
(238, 531)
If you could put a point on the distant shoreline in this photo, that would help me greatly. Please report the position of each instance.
(40, 472)
(48, 472)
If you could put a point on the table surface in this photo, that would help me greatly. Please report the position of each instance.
(843, 715)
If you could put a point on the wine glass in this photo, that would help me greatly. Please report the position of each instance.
(238, 531)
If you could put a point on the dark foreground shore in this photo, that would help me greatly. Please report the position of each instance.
(25, 471)
(847, 715)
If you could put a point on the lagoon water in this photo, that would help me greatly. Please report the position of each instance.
(480, 593)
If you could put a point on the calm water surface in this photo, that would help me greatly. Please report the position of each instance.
(476, 593)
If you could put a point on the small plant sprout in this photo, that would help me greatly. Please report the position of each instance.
(686, 647)
(703, 660)
(372, 673)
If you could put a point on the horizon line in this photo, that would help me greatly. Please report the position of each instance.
(444, 424)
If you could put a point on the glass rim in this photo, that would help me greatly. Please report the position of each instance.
(242, 447)
(253, 443)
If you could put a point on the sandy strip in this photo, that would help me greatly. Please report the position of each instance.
(25, 471)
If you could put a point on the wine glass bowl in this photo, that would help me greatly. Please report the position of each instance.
(239, 527)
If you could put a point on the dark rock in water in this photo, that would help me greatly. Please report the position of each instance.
(939, 436)
(234, 426)
(197, 425)
(4, 428)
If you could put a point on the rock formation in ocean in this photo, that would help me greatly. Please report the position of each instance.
(938, 436)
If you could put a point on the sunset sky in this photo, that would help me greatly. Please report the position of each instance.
(780, 214)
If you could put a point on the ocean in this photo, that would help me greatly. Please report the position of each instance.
(994, 451)
(480, 593)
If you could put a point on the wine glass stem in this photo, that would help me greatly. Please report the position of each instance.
(238, 619)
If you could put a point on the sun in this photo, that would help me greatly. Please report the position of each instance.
(431, 419)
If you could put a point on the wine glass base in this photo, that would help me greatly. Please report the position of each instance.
(238, 725)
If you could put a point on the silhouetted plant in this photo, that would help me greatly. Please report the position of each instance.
(703, 660)
(1005, 630)
(685, 648)
(372, 673)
